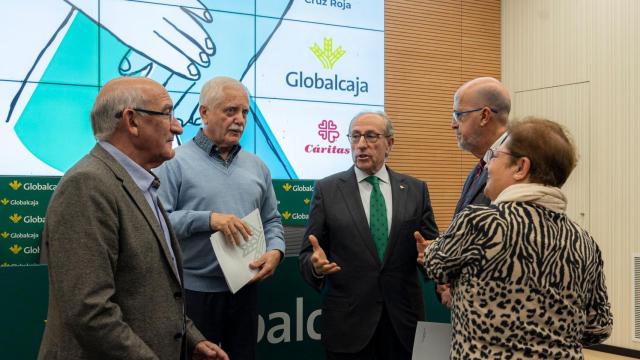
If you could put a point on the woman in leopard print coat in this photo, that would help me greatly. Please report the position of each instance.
(527, 281)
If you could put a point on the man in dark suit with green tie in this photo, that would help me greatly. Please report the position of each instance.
(359, 249)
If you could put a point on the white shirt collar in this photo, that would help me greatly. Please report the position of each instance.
(382, 174)
(495, 146)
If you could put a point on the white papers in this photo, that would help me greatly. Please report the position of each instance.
(234, 260)
(432, 341)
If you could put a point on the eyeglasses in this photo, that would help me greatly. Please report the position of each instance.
(493, 154)
(457, 114)
(369, 137)
(169, 116)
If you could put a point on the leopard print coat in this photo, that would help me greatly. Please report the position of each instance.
(527, 282)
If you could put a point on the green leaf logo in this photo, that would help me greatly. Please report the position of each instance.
(327, 56)
(15, 248)
(15, 184)
(15, 218)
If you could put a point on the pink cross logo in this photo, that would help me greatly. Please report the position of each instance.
(327, 130)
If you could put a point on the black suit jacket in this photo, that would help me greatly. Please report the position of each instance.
(473, 192)
(354, 297)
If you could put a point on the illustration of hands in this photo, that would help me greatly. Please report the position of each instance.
(170, 36)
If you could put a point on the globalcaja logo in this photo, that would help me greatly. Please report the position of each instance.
(328, 131)
(328, 57)
(15, 218)
(297, 188)
(15, 184)
(4, 201)
(286, 215)
(4, 234)
(15, 249)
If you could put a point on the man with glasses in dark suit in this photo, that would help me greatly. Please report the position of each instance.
(479, 118)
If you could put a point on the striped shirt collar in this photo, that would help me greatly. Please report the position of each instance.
(212, 149)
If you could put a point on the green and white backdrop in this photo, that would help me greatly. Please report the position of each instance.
(309, 66)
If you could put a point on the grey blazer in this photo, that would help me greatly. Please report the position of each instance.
(354, 297)
(113, 290)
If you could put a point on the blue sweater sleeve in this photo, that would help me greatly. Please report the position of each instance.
(184, 222)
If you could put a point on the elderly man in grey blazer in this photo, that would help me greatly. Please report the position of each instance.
(115, 273)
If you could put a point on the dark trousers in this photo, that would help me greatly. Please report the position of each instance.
(384, 345)
(229, 320)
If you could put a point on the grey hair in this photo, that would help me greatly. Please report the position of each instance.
(494, 97)
(213, 91)
(388, 125)
(489, 92)
(103, 114)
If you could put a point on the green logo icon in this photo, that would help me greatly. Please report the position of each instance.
(15, 248)
(327, 56)
(5, 234)
(15, 184)
(287, 187)
(15, 218)
(306, 201)
(4, 201)
(286, 215)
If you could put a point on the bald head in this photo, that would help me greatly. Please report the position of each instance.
(481, 114)
(116, 95)
(485, 91)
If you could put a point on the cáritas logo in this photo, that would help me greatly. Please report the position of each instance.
(328, 131)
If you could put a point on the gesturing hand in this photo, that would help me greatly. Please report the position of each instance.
(444, 290)
(321, 266)
(421, 245)
(232, 227)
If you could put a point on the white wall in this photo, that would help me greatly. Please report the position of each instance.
(576, 62)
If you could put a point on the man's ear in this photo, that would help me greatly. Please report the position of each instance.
(130, 122)
(203, 114)
(390, 142)
(523, 166)
(486, 116)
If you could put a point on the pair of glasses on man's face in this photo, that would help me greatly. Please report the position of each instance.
(457, 115)
(369, 137)
(167, 116)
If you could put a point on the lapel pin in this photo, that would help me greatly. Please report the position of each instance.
(402, 187)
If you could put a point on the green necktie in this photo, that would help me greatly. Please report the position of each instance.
(378, 216)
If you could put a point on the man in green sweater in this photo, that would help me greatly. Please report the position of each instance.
(209, 186)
